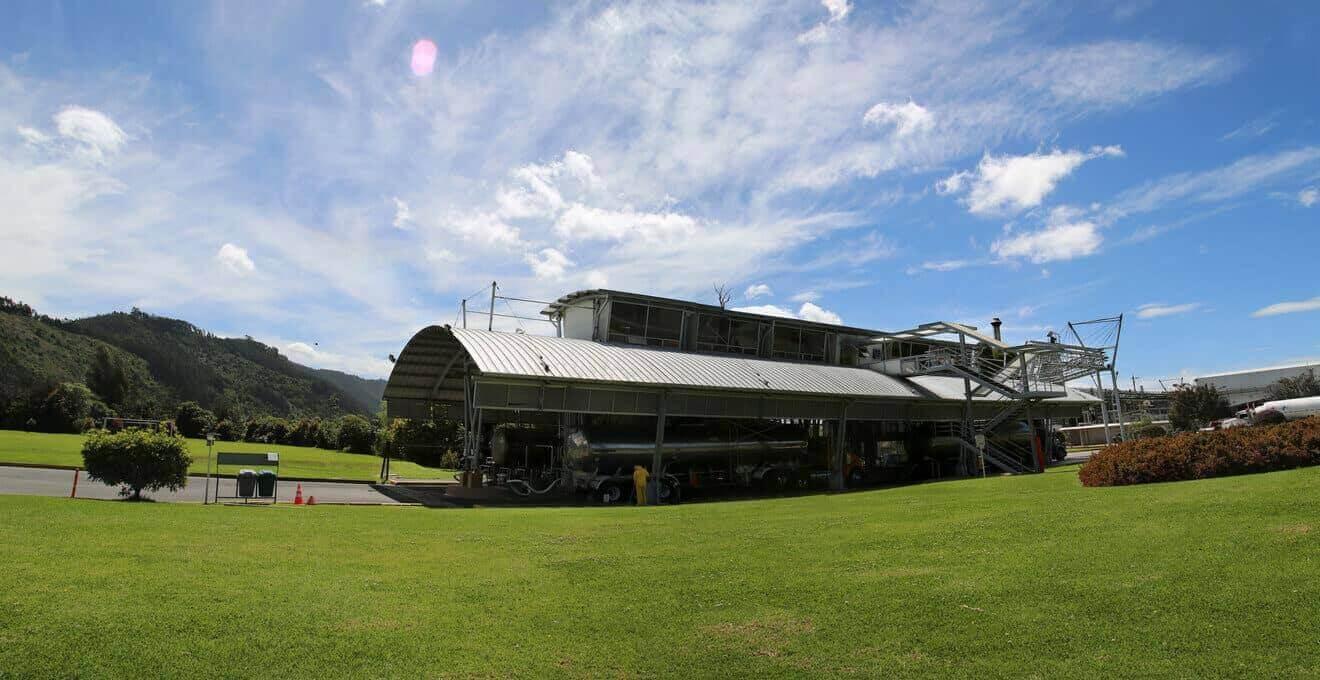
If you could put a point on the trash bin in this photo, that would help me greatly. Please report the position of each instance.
(247, 483)
(266, 483)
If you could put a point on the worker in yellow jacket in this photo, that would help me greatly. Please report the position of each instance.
(640, 475)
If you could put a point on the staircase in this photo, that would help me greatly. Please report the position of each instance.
(1022, 375)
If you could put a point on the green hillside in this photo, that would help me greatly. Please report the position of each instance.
(167, 361)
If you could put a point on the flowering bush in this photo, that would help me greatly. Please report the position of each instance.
(1198, 455)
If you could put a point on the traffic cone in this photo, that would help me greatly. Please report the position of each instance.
(311, 500)
(297, 497)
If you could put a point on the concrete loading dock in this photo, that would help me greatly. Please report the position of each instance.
(941, 399)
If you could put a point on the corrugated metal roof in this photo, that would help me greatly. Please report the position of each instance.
(518, 355)
(534, 356)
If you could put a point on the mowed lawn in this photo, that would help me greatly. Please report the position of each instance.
(1005, 577)
(295, 461)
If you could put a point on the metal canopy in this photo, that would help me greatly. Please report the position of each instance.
(511, 371)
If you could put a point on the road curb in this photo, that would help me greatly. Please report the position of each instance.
(43, 466)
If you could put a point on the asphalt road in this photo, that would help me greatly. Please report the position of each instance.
(48, 482)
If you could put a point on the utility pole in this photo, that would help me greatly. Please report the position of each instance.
(490, 325)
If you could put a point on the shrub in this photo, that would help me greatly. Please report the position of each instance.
(327, 435)
(356, 434)
(1198, 455)
(267, 429)
(1304, 385)
(137, 459)
(449, 461)
(303, 432)
(422, 441)
(193, 420)
(65, 407)
(1151, 431)
(1192, 407)
(227, 431)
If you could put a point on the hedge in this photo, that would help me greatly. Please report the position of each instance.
(1198, 455)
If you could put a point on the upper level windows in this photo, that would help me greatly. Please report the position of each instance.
(717, 333)
(645, 325)
(698, 330)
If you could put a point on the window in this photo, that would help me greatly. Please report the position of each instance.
(716, 333)
(645, 325)
(799, 344)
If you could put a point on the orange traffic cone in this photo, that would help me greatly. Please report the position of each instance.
(297, 497)
(311, 500)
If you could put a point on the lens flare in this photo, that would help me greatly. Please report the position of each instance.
(423, 57)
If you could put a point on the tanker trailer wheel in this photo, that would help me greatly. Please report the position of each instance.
(611, 493)
(775, 481)
(670, 492)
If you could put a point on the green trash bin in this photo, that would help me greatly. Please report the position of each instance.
(266, 483)
(247, 483)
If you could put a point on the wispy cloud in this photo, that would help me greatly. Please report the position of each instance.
(1157, 310)
(1291, 307)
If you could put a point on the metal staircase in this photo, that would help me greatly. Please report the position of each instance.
(1021, 376)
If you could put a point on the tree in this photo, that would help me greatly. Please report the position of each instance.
(193, 420)
(108, 378)
(137, 460)
(65, 407)
(356, 434)
(1192, 407)
(1304, 385)
(723, 295)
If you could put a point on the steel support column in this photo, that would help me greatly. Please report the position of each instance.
(657, 459)
(838, 459)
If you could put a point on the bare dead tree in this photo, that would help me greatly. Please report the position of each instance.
(723, 294)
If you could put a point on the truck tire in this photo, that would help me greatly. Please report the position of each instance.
(611, 493)
(670, 492)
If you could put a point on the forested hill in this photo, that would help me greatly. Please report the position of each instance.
(143, 365)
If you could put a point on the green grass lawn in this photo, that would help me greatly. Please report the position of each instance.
(295, 461)
(1029, 576)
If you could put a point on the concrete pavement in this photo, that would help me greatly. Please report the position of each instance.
(48, 482)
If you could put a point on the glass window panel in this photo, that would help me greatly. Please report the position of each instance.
(665, 324)
(627, 319)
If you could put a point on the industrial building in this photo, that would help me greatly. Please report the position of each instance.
(703, 396)
(1250, 387)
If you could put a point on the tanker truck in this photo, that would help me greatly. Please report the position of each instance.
(599, 461)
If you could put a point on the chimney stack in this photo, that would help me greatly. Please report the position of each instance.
(995, 323)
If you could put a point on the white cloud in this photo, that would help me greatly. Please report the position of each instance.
(757, 290)
(806, 296)
(1216, 185)
(906, 118)
(1291, 307)
(939, 266)
(33, 136)
(1156, 310)
(1308, 197)
(402, 215)
(550, 265)
(96, 135)
(809, 311)
(1014, 183)
(838, 9)
(309, 355)
(1064, 241)
(768, 310)
(1119, 72)
(1254, 127)
(235, 259)
(590, 223)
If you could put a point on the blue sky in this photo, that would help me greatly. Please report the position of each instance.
(280, 169)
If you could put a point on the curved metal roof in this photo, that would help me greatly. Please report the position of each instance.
(430, 366)
(518, 355)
